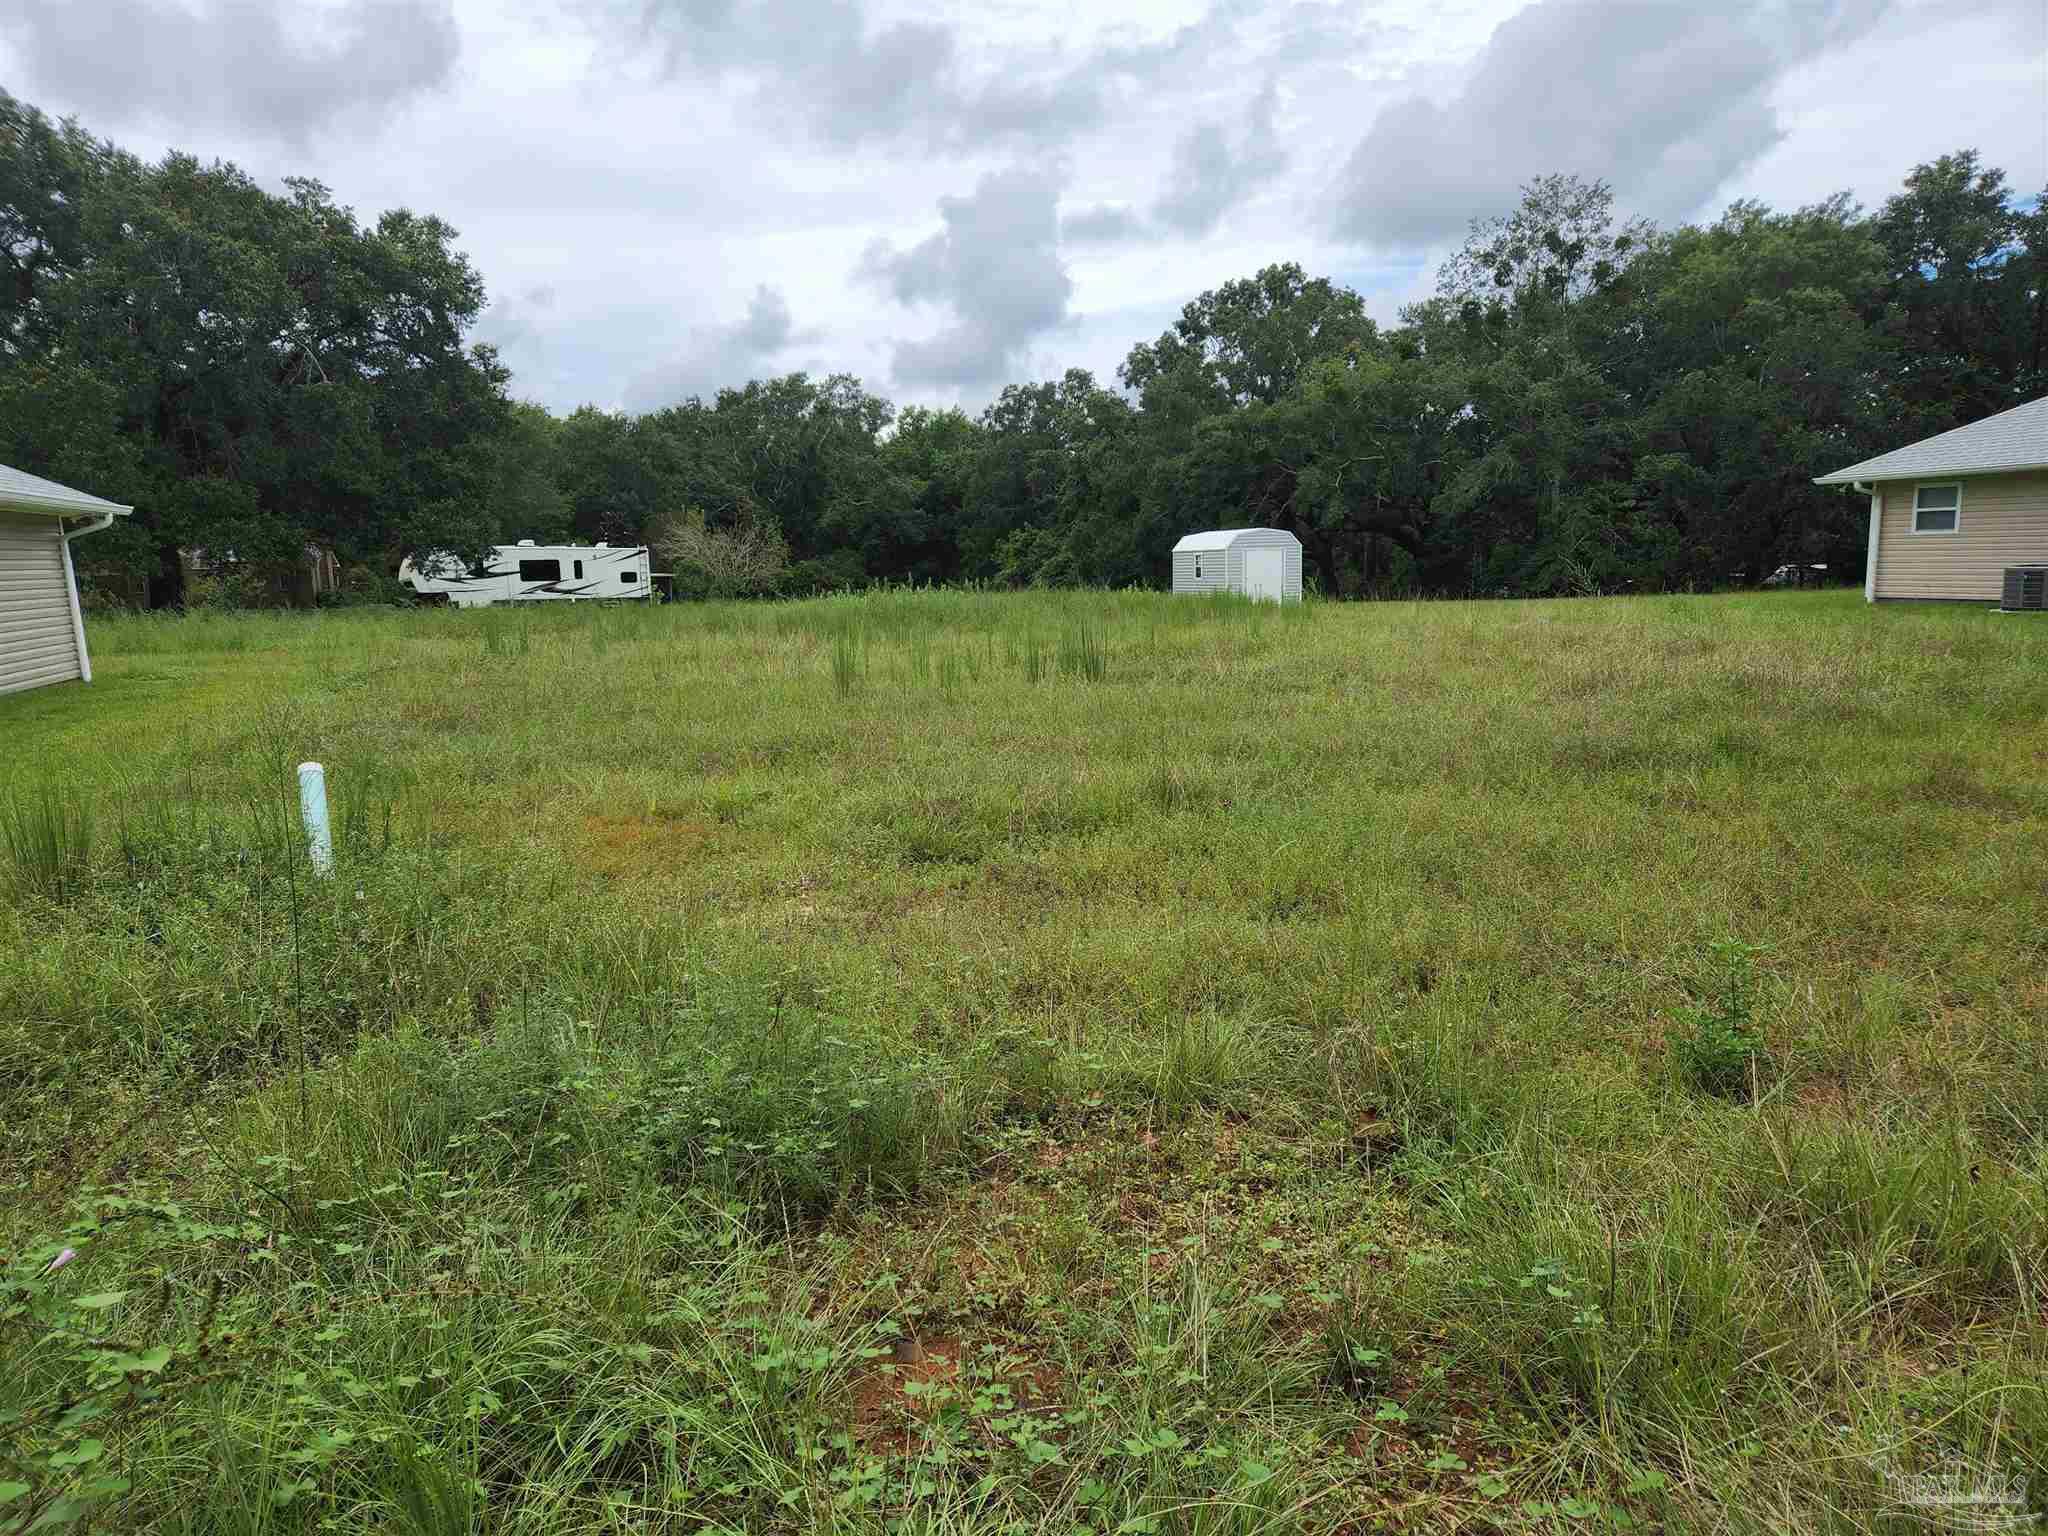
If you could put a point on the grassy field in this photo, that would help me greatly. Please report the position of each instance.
(1058, 1063)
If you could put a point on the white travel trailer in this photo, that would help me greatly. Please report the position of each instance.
(527, 572)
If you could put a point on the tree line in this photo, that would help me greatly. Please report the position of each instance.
(1586, 403)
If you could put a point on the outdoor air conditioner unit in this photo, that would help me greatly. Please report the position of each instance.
(2026, 589)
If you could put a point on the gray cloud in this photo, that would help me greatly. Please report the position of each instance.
(1664, 101)
(1211, 174)
(820, 61)
(277, 71)
(718, 356)
(1100, 224)
(996, 266)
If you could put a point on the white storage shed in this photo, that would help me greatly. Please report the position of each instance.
(1254, 562)
(42, 634)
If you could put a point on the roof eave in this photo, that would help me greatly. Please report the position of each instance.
(59, 506)
(1871, 471)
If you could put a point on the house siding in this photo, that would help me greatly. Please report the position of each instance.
(2004, 521)
(37, 642)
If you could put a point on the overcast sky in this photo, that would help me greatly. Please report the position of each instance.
(669, 195)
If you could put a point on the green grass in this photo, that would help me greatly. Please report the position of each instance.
(945, 1062)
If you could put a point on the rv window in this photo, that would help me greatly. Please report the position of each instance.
(579, 570)
(540, 570)
(629, 577)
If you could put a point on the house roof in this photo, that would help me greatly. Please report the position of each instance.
(2012, 440)
(1219, 538)
(23, 492)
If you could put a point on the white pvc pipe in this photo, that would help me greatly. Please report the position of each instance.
(313, 811)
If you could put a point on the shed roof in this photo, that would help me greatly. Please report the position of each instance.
(2010, 441)
(23, 492)
(1218, 538)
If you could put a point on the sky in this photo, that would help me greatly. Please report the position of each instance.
(668, 196)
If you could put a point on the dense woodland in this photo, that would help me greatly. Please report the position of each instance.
(1587, 404)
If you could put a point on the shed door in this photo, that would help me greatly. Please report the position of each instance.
(1265, 573)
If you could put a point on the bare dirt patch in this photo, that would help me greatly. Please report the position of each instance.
(894, 1404)
(618, 846)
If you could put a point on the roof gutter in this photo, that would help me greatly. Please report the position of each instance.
(104, 520)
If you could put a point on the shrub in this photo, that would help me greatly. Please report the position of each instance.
(792, 1118)
(231, 586)
(1720, 1047)
(738, 560)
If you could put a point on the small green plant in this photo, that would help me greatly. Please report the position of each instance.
(48, 838)
(1719, 1046)
(1354, 1358)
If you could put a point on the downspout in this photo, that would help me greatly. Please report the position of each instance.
(104, 520)
(1870, 559)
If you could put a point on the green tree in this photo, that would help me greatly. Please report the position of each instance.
(925, 461)
(1968, 287)
(278, 374)
(1751, 348)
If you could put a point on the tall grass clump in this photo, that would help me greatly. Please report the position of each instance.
(47, 835)
(849, 660)
(1084, 652)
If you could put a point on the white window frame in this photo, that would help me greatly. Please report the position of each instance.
(1937, 485)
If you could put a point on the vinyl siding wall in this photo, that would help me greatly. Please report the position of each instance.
(37, 643)
(1215, 568)
(2004, 521)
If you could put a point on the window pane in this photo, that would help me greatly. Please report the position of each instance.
(629, 577)
(579, 570)
(1936, 497)
(1937, 521)
(540, 570)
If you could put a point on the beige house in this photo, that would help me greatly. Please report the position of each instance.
(1950, 514)
(42, 633)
